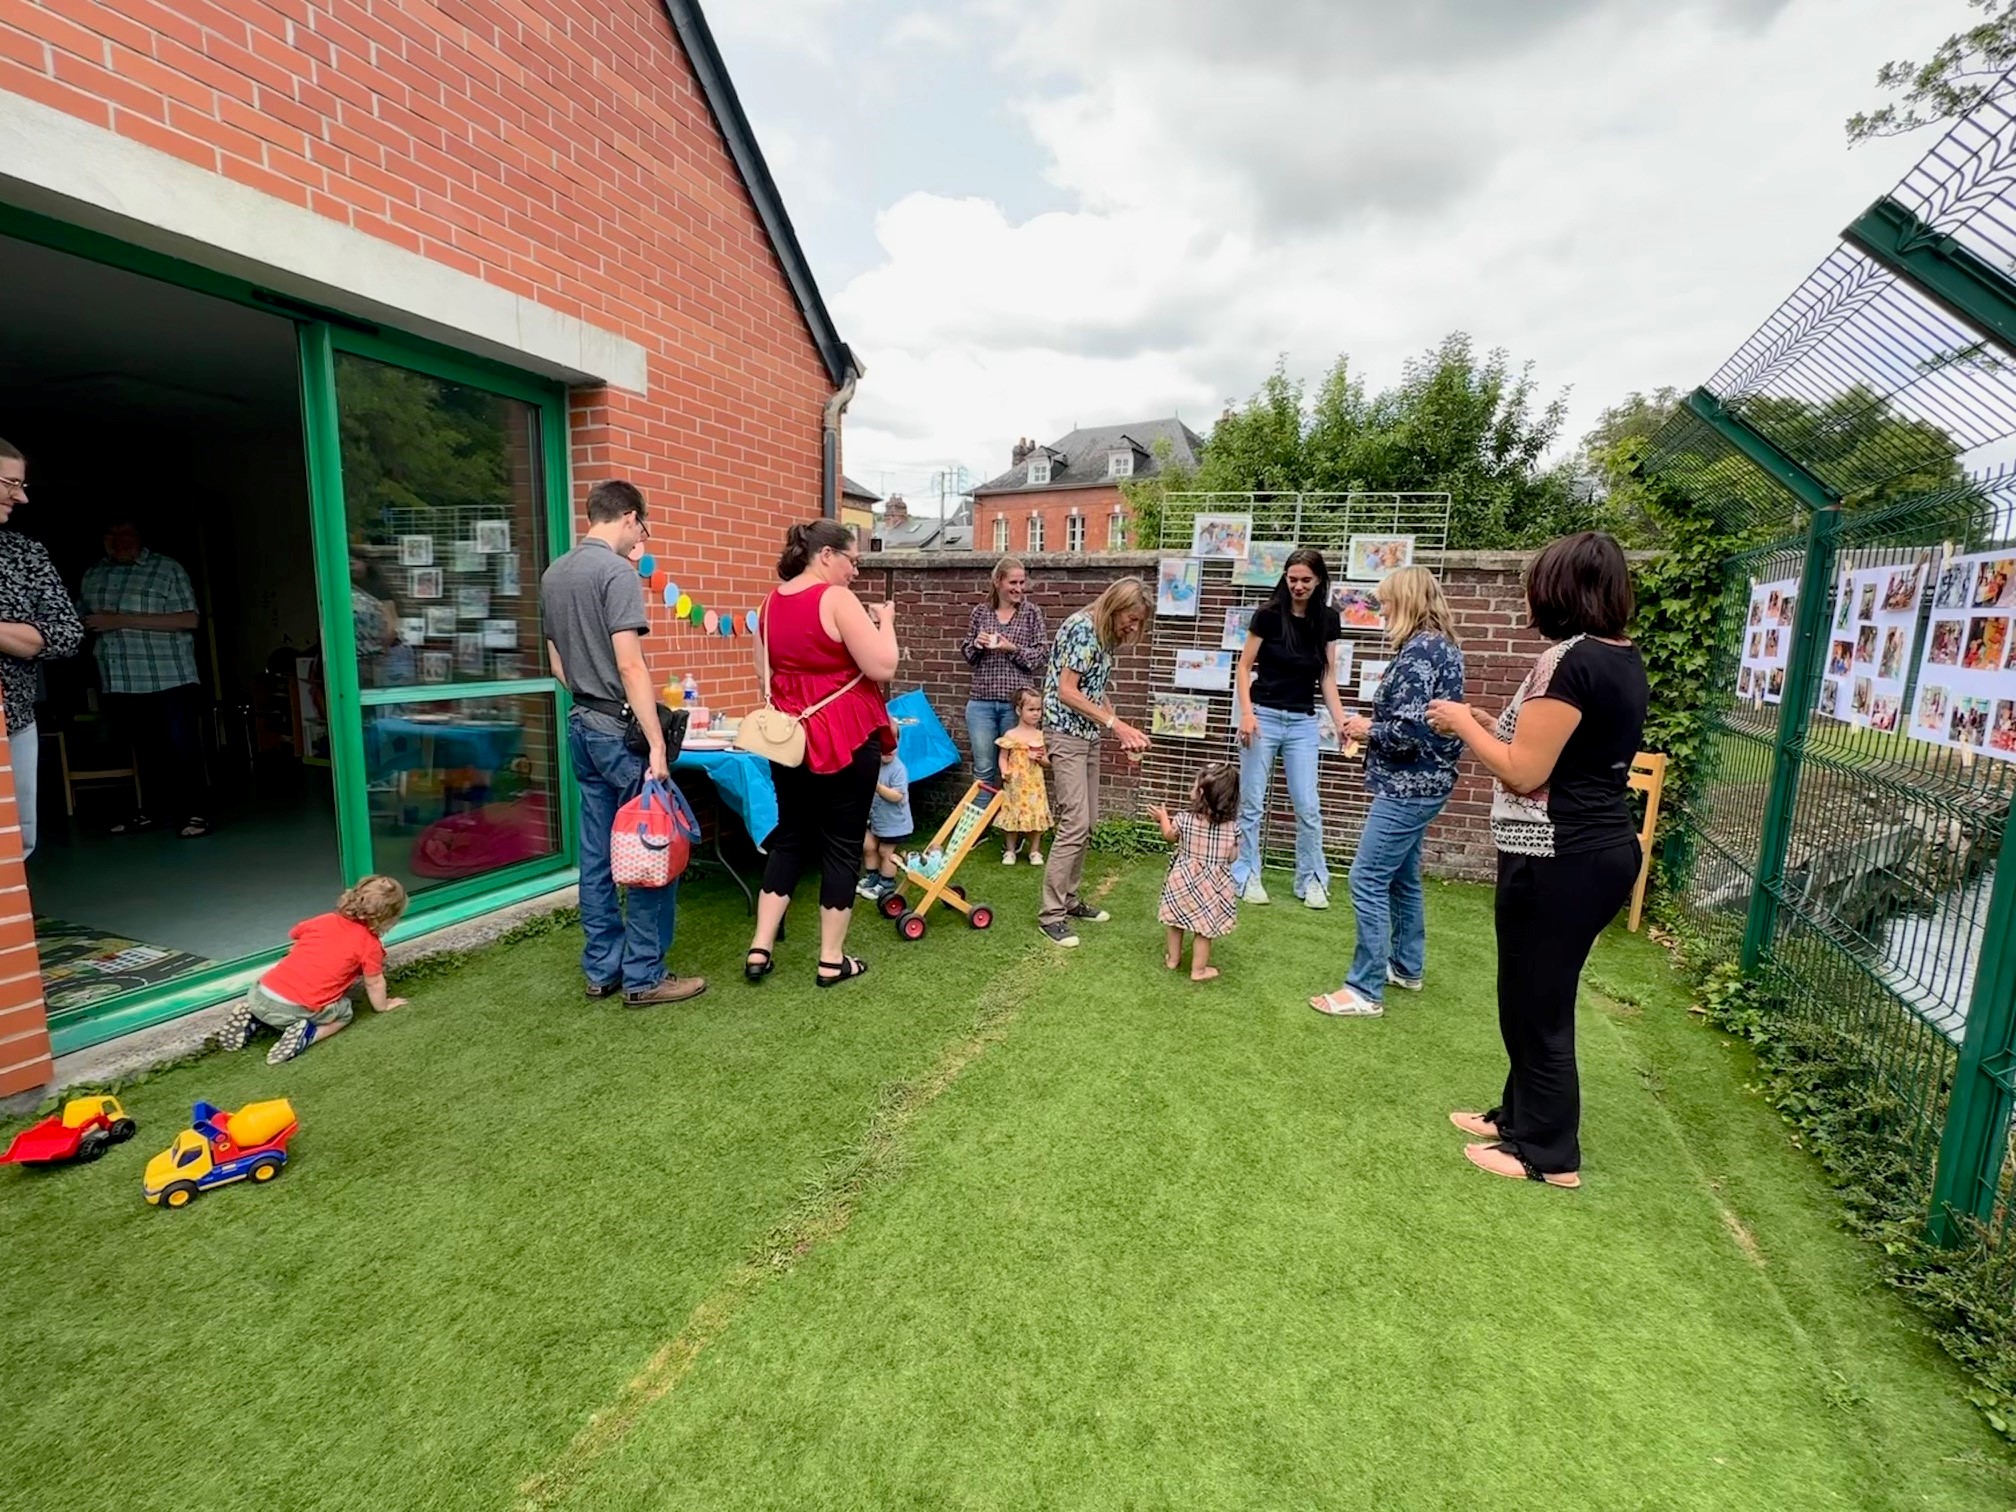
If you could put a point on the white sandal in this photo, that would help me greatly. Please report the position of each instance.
(1346, 1003)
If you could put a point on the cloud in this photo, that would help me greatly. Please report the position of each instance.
(1620, 191)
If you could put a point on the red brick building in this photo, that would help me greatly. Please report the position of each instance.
(1066, 496)
(329, 279)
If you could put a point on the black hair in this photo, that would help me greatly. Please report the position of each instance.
(1282, 602)
(1218, 793)
(1580, 585)
(804, 542)
(613, 498)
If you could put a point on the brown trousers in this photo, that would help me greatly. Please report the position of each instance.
(1074, 801)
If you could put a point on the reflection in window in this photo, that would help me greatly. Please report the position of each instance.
(445, 499)
(462, 786)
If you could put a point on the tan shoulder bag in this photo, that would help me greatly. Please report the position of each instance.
(769, 732)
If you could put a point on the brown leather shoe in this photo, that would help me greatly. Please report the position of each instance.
(671, 990)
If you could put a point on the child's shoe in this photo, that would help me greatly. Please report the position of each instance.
(1008, 856)
(295, 1039)
(1035, 858)
(870, 885)
(237, 1031)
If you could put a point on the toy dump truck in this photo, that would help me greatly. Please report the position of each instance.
(85, 1129)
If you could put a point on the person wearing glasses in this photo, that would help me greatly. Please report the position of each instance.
(37, 621)
(825, 659)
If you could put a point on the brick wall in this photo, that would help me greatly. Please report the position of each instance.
(1054, 506)
(560, 151)
(24, 1029)
(934, 594)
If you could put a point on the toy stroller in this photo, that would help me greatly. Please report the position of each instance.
(933, 869)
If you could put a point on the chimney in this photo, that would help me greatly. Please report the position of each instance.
(1021, 452)
(895, 513)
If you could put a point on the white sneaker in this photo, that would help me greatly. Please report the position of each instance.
(1409, 984)
(1035, 858)
(1254, 893)
(1008, 858)
(1314, 896)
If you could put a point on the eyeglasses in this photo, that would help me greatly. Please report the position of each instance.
(14, 486)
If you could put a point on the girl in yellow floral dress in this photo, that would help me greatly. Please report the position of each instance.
(1025, 800)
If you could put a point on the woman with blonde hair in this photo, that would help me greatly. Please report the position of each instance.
(1005, 643)
(1409, 771)
(1076, 713)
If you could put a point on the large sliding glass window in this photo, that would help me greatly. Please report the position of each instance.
(452, 492)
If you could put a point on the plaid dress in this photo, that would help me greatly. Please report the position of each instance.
(1199, 895)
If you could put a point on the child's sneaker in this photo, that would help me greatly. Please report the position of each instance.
(1008, 858)
(237, 1031)
(295, 1039)
(1035, 858)
(873, 885)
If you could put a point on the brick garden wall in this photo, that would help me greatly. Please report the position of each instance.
(561, 151)
(934, 594)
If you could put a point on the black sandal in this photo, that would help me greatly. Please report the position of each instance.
(754, 971)
(139, 824)
(194, 829)
(847, 968)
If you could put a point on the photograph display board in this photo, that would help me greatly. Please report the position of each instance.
(1966, 683)
(1767, 640)
(1871, 643)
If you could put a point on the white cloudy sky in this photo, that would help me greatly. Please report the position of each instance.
(1030, 214)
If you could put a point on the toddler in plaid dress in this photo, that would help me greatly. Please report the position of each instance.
(1199, 897)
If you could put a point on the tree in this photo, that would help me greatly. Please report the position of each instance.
(1470, 426)
(1964, 70)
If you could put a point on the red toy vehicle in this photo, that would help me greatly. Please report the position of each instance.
(85, 1129)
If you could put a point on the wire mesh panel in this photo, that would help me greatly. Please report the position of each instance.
(1228, 592)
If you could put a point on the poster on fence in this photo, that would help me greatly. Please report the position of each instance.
(1767, 641)
(1967, 685)
(1871, 643)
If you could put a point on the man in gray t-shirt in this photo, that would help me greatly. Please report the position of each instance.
(592, 603)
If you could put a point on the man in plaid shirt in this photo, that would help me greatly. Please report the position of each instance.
(144, 612)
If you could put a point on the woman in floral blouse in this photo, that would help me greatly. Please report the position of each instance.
(1076, 714)
(1005, 643)
(1409, 771)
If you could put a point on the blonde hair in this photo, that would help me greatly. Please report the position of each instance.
(375, 902)
(1413, 603)
(1001, 569)
(1127, 596)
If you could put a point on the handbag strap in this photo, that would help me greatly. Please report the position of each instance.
(771, 703)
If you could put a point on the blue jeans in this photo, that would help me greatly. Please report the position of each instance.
(1292, 737)
(987, 720)
(1386, 894)
(628, 937)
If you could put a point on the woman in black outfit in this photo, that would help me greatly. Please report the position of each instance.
(1567, 846)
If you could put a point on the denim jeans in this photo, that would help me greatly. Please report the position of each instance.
(628, 937)
(1386, 894)
(1292, 737)
(987, 720)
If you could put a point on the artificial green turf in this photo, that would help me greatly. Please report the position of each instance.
(1157, 1245)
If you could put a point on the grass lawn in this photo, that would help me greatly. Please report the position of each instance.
(998, 1226)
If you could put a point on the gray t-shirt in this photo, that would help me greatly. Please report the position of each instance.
(585, 597)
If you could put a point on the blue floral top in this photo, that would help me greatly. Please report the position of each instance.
(1403, 757)
(1076, 649)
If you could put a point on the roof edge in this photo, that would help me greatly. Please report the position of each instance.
(1014, 488)
(697, 38)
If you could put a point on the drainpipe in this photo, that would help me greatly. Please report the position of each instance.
(829, 495)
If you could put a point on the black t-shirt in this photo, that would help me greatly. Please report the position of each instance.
(1586, 806)
(1293, 651)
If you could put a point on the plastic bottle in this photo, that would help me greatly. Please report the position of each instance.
(689, 691)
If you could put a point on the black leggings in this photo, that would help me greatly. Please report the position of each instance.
(1550, 911)
(821, 820)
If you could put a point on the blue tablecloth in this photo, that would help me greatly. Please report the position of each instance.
(743, 781)
(923, 745)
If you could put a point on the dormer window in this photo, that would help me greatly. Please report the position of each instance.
(1039, 471)
(1120, 464)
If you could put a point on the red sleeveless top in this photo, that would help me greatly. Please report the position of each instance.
(806, 665)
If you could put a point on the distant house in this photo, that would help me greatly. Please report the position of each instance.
(1066, 496)
(899, 530)
(857, 508)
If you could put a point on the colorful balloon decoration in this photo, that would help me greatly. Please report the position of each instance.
(646, 565)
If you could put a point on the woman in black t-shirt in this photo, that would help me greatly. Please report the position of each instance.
(1286, 662)
(1567, 847)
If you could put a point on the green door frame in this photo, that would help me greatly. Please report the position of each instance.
(321, 334)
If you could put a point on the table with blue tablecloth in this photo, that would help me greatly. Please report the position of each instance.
(742, 781)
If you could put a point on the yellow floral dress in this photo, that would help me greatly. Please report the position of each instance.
(1025, 803)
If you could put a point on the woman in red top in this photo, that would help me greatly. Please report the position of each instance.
(825, 655)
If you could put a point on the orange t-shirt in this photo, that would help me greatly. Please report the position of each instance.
(330, 953)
